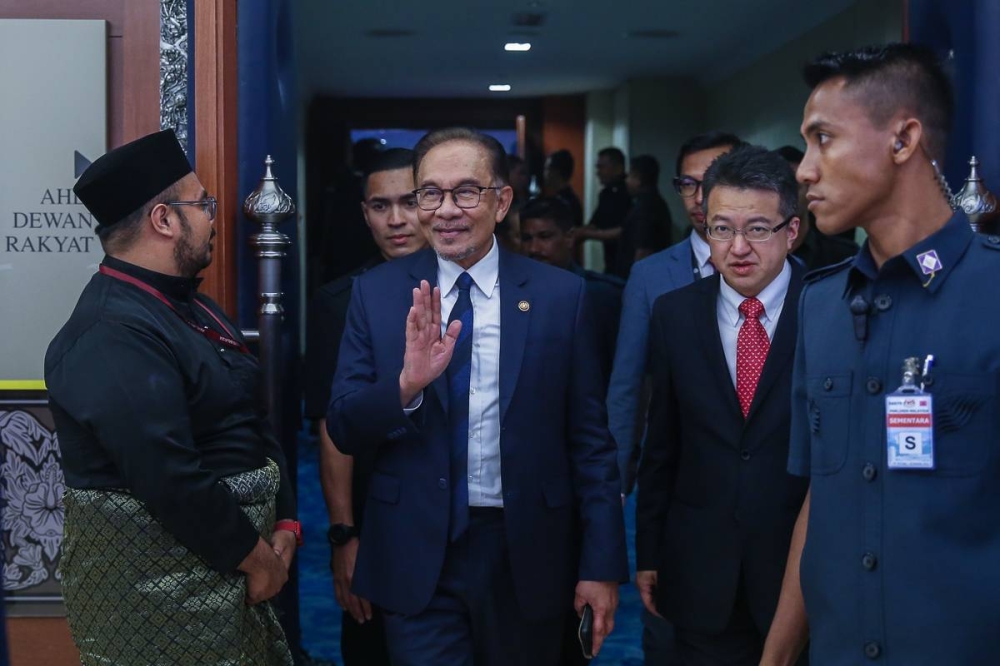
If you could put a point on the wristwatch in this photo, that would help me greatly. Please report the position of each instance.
(339, 534)
(293, 526)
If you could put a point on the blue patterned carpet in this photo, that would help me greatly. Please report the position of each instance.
(320, 615)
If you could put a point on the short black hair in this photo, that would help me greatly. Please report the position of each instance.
(706, 141)
(791, 154)
(647, 168)
(613, 154)
(119, 237)
(390, 160)
(495, 153)
(548, 208)
(890, 78)
(754, 168)
(364, 153)
(562, 162)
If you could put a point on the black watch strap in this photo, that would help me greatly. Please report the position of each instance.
(339, 534)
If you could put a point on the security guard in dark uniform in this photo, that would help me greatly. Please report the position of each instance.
(548, 235)
(613, 204)
(895, 385)
(390, 211)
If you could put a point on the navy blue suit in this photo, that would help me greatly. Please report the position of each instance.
(559, 475)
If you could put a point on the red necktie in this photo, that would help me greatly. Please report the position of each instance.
(752, 345)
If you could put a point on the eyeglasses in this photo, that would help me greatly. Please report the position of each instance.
(466, 196)
(755, 233)
(209, 204)
(686, 186)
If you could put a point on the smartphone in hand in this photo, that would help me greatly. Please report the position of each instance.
(586, 632)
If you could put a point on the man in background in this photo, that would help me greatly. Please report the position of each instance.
(548, 235)
(647, 227)
(613, 205)
(558, 171)
(390, 209)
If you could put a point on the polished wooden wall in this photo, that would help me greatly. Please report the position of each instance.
(134, 111)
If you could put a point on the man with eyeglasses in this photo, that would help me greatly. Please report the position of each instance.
(174, 478)
(471, 374)
(716, 506)
(628, 395)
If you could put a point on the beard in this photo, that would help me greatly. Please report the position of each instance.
(458, 255)
(189, 259)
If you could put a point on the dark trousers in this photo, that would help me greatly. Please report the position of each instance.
(474, 617)
(658, 642)
(363, 644)
(739, 644)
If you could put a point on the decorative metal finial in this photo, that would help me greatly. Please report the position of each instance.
(974, 198)
(268, 204)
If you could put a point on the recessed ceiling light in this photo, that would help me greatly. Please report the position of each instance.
(500, 87)
(517, 46)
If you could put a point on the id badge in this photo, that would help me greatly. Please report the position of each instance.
(910, 430)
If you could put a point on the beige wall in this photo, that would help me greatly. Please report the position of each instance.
(763, 103)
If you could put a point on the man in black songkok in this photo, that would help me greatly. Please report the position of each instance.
(174, 478)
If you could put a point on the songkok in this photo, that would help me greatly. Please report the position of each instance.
(125, 179)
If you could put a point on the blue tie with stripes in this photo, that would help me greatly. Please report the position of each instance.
(459, 373)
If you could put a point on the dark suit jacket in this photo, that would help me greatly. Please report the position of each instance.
(557, 457)
(604, 300)
(715, 500)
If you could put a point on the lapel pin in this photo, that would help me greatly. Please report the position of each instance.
(524, 306)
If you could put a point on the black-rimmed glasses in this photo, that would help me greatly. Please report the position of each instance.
(686, 186)
(209, 204)
(754, 233)
(465, 196)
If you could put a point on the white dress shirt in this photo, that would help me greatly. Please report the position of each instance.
(702, 255)
(484, 383)
(772, 297)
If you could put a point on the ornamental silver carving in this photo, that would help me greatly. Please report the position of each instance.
(33, 486)
(174, 69)
(268, 204)
(974, 198)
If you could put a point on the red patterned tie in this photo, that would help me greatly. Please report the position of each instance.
(751, 352)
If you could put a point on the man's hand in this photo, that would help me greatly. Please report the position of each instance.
(265, 571)
(342, 563)
(283, 543)
(603, 598)
(427, 351)
(646, 582)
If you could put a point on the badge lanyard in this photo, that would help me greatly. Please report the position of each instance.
(206, 331)
(909, 414)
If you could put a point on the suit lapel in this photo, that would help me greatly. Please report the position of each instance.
(711, 341)
(783, 345)
(426, 268)
(513, 325)
(680, 266)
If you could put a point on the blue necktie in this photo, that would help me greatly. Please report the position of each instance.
(459, 373)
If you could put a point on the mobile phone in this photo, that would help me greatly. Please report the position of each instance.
(586, 632)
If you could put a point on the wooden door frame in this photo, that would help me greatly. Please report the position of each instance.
(216, 134)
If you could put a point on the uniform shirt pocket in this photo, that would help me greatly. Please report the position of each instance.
(964, 412)
(828, 401)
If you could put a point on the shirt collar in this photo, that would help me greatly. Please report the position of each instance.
(771, 296)
(947, 244)
(484, 272)
(702, 252)
(178, 288)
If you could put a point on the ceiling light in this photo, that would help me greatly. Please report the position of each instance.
(500, 87)
(515, 46)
